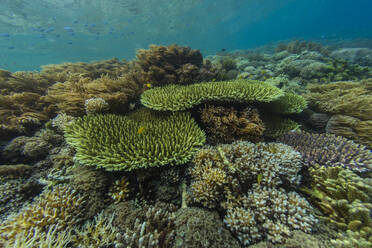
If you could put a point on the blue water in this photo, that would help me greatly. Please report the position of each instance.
(45, 32)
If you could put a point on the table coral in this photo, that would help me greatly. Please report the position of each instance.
(117, 142)
(329, 150)
(179, 97)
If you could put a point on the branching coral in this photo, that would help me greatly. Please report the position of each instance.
(344, 198)
(269, 213)
(116, 92)
(157, 230)
(61, 206)
(61, 72)
(97, 233)
(119, 190)
(346, 98)
(178, 97)
(329, 150)
(300, 46)
(287, 104)
(173, 65)
(120, 143)
(351, 128)
(225, 172)
(227, 124)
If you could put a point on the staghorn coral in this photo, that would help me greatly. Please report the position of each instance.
(342, 196)
(62, 72)
(223, 173)
(116, 92)
(120, 143)
(329, 150)
(19, 82)
(157, 230)
(225, 125)
(119, 190)
(178, 97)
(173, 64)
(351, 128)
(346, 98)
(269, 213)
(61, 206)
(21, 112)
(53, 237)
(97, 233)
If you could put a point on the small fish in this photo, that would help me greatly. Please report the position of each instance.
(11, 47)
(148, 85)
(75, 21)
(259, 178)
(68, 29)
(140, 130)
(69, 42)
(223, 50)
(4, 35)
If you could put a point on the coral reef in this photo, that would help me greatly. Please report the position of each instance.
(116, 92)
(117, 142)
(96, 105)
(329, 150)
(225, 125)
(119, 190)
(289, 103)
(173, 64)
(178, 97)
(61, 206)
(97, 233)
(344, 198)
(25, 148)
(157, 230)
(346, 98)
(61, 72)
(269, 213)
(276, 125)
(298, 47)
(199, 228)
(225, 172)
(351, 128)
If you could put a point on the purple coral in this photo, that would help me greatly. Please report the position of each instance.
(329, 150)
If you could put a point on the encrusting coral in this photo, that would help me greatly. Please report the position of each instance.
(60, 206)
(345, 200)
(173, 64)
(146, 139)
(225, 125)
(329, 150)
(180, 97)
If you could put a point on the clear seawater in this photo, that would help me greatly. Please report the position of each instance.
(38, 32)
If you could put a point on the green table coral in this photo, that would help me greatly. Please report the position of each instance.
(116, 142)
(178, 97)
